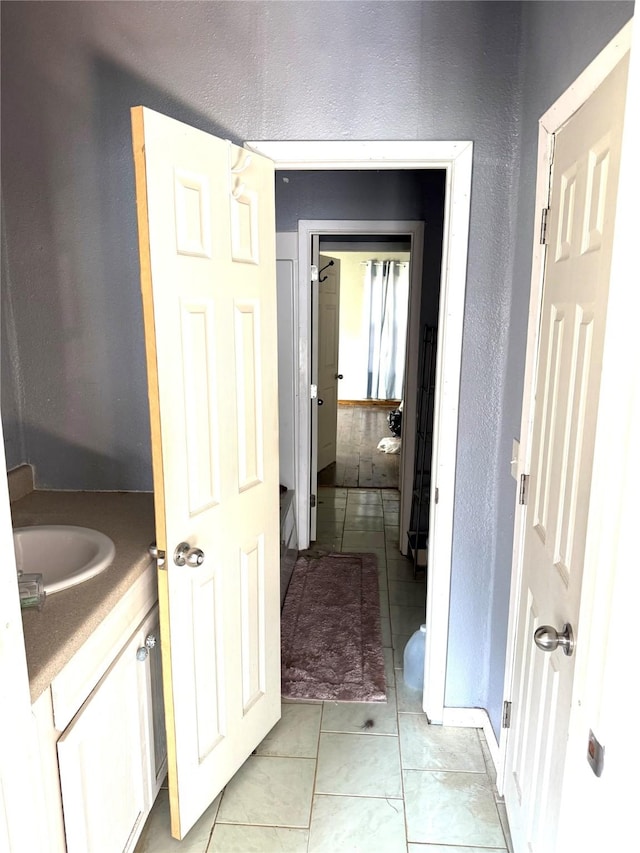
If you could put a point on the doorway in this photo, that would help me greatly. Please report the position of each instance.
(308, 237)
(455, 157)
(370, 334)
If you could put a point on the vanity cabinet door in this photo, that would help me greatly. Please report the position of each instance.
(106, 755)
(157, 737)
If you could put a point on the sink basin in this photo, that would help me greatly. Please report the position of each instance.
(64, 555)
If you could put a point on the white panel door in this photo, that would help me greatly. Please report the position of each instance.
(581, 224)
(207, 252)
(328, 340)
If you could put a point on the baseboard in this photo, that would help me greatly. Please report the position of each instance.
(474, 718)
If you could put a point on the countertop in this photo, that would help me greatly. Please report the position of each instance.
(54, 634)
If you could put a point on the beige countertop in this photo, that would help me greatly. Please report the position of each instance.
(54, 634)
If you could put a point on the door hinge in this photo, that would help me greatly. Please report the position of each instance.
(523, 493)
(437, 495)
(312, 501)
(543, 225)
(314, 273)
(506, 715)
(552, 148)
(313, 392)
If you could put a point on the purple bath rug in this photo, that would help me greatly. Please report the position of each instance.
(331, 636)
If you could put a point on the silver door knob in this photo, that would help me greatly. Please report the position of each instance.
(143, 652)
(185, 555)
(548, 639)
(156, 554)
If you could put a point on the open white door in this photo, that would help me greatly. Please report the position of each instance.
(574, 307)
(207, 256)
(328, 343)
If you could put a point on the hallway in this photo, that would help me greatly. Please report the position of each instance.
(372, 777)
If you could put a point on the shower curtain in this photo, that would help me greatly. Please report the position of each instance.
(386, 305)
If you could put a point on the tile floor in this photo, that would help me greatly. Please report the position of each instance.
(320, 781)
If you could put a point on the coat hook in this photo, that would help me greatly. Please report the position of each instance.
(330, 264)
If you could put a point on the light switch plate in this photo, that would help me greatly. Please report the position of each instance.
(515, 450)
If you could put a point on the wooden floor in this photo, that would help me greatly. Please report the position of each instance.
(359, 463)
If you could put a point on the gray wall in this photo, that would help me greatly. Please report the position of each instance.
(354, 195)
(413, 195)
(10, 384)
(249, 71)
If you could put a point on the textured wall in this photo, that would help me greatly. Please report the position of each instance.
(10, 384)
(347, 195)
(336, 70)
(410, 195)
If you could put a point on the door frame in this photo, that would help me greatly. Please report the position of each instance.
(308, 228)
(552, 120)
(455, 158)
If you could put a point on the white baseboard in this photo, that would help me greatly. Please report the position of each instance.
(474, 718)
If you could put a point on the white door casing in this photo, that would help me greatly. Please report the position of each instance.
(308, 464)
(456, 158)
(328, 340)
(308, 251)
(207, 253)
(573, 314)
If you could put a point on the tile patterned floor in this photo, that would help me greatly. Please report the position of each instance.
(322, 780)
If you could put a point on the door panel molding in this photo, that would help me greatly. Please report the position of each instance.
(219, 614)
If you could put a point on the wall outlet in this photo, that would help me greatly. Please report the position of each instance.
(515, 450)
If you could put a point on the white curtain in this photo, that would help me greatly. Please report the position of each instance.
(386, 297)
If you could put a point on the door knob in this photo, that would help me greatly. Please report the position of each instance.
(156, 554)
(185, 555)
(320, 401)
(143, 651)
(548, 639)
(339, 376)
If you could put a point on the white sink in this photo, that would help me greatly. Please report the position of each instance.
(64, 555)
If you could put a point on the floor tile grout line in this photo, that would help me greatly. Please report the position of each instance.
(315, 776)
(360, 796)
(402, 787)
